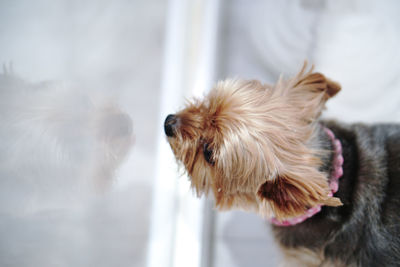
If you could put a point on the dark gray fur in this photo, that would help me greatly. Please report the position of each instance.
(365, 231)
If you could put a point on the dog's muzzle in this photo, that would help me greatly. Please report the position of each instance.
(170, 125)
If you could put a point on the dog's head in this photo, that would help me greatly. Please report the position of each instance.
(251, 144)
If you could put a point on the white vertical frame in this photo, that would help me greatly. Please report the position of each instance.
(179, 230)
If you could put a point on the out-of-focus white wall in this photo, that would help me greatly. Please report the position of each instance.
(354, 42)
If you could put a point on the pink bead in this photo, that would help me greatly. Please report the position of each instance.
(338, 146)
(329, 133)
(339, 172)
(334, 186)
(339, 160)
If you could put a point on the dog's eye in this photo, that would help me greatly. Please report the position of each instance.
(208, 154)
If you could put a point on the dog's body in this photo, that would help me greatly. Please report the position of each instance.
(365, 231)
(262, 148)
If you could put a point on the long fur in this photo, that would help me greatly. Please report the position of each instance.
(258, 134)
(262, 147)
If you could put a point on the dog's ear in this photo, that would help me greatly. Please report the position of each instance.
(317, 83)
(289, 196)
(308, 91)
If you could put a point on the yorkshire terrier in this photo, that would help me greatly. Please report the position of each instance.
(329, 190)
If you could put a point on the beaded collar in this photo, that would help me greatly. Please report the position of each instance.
(336, 173)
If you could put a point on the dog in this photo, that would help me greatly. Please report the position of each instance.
(330, 190)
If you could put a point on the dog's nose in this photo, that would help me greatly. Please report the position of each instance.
(170, 124)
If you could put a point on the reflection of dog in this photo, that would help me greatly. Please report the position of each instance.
(56, 141)
(262, 148)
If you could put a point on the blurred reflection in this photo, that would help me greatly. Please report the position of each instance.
(78, 117)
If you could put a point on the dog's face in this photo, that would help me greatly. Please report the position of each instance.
(251, 144)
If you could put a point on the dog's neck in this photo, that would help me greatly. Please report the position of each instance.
(336, 171)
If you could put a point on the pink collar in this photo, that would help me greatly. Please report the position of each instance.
(337, 172)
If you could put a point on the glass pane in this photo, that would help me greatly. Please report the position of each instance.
(79, 97)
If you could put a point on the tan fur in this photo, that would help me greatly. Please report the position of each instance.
(260, 137)
(303, 257)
